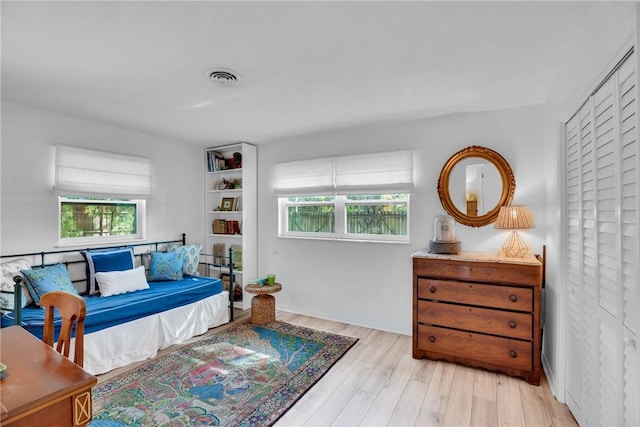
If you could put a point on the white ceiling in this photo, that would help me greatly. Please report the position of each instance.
(305, 66)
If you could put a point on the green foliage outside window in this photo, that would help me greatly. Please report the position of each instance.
(365, 214)
(377, 219)
(312, 219)
(102, 217)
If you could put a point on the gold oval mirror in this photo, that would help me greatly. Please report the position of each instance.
(474, 183)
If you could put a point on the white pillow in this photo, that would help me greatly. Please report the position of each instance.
(119, 282)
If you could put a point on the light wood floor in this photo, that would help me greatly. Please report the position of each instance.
(378, 383)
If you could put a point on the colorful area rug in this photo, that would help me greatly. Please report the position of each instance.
(248, 375)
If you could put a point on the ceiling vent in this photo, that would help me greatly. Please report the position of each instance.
(224, 76)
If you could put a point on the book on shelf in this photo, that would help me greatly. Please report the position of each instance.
(219, 226)
(215, 161)
(237, 257)
(233, 227)
(219, 253)
(226, 226)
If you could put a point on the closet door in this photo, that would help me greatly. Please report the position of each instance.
(605, 305)
(627, 80)
(602, 254)
(574, 260)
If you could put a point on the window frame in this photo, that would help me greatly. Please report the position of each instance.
(340, 203)
(121, 238)
(283, 218)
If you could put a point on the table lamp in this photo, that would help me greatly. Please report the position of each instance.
(516, 217)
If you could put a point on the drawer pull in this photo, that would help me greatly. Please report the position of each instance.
(432, 289)
(513, 298)
(432, 338)
(512, 324)
(513, 354)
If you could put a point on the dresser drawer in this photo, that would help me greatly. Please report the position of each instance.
(507, 297)
(505, 352)
(485, 320)
(491, 272)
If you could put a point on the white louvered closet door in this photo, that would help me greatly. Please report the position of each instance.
(630, 241)
(574, 309)
(602, 254)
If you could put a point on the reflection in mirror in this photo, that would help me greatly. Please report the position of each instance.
(475, 186)
(474, 183)
(474, 191)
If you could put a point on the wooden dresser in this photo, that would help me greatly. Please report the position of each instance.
(480, 310)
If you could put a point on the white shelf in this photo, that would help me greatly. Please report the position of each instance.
(225, 212)
(247, 215)
(233, 190)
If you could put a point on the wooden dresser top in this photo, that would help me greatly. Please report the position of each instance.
(476, 257)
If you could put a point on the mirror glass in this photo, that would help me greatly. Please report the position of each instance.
(474, 183)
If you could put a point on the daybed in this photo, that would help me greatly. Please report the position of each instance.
(122, 328)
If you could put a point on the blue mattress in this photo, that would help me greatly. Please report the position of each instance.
(105, 312)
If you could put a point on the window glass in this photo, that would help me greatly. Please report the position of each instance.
(377, 215)
(355, 217)
(85, 219)
(310, 214)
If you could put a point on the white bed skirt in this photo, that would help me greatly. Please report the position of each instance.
(141, 339)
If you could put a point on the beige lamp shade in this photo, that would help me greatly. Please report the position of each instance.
(516, 217)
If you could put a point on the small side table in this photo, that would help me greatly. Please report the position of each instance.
(263, 305)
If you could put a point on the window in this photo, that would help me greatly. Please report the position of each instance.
(377, 215)
(364, 197)
(91, 220)
(313, 216)
(349, 217)
(101, 195)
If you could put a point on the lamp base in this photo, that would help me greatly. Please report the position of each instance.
(515, 247)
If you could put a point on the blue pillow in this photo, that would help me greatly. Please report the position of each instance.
(191, 255)
(102, 261)
(165, 266)
(47, 279)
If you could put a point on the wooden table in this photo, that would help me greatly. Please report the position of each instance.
(263, 305)
(40, 386)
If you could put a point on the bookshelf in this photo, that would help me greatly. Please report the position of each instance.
(231, 215)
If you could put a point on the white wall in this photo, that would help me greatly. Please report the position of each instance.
(609, 31)
(28, 213)
(371, 284)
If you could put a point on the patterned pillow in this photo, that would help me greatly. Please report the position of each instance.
(47, 279)
(191, 255)
(7, 271)
(104, 261)
(165, 266)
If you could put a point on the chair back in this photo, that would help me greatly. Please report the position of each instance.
(73, 310)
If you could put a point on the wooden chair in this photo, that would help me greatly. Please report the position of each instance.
(73, 310)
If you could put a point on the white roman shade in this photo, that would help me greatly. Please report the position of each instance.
(374, 173)
(80, 171)
(304, 177)
(360, 174)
